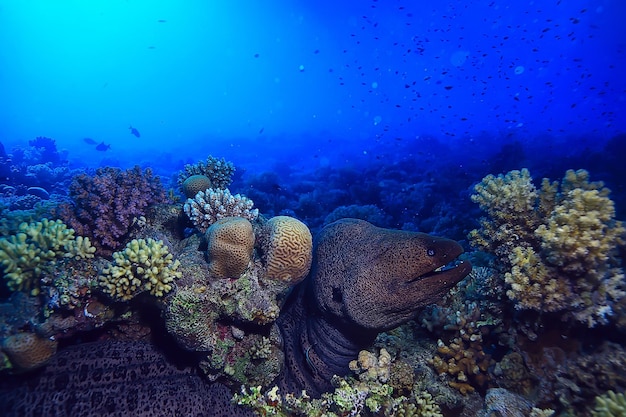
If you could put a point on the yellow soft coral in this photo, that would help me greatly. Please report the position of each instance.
(557, 247)
(144, 265)
(26, 255)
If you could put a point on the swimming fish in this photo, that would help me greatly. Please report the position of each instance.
(89, 141)
(134, 131)
(102, 147)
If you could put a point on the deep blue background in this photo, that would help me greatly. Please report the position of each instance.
(364, 97)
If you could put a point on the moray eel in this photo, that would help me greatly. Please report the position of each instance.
(364, 280)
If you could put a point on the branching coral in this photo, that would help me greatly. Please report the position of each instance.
(144, 265)
(463, 358)
(557, 246)
(610, 404)
(106, 204)
(217, 170)
(209, 206)
(27, 255)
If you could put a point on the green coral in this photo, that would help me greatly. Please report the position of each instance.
(30, 253)
(370, 394)
(557, 246)
(610, 404)
(144, 265)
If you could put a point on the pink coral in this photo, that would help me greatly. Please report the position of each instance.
(106, 204)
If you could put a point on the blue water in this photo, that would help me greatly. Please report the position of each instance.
(308, 84)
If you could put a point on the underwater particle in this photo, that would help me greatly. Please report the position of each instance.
(377, 120)
(458, 58)
(374, 84)
(301, 68)
(519, 70)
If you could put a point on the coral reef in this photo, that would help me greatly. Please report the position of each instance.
(144, 265)
(210, 205)
(30, 253)
(501, 402)
(557, 246)
(367, 394)
(105, 205)
(217, 170)
(287, 245)
(463, 357)
(230, 243)
(370, 213)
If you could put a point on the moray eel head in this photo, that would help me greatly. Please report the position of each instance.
(378, 278)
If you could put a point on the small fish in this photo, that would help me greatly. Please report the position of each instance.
(89, 141)
(134, 132)
(102, 147)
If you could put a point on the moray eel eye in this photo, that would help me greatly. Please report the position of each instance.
(430, 252)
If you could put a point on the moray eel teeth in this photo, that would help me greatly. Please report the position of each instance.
(452, 269)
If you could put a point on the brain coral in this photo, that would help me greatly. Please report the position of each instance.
(288, 249)
(213, 204)
(28, 351)
(144, 265)
(195, 183)
(230, 246)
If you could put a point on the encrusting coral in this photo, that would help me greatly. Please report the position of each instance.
(27, 255)
(557, 246)
(144, 265)
(210, 205)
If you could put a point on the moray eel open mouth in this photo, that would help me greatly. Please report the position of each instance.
(453, 271)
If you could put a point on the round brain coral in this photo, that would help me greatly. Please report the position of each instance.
(289, 249)
(230, 246)
(195, 183)
(28, 351)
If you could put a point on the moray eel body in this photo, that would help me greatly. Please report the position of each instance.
(364, 280)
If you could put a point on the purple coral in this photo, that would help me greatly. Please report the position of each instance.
(105, 205)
